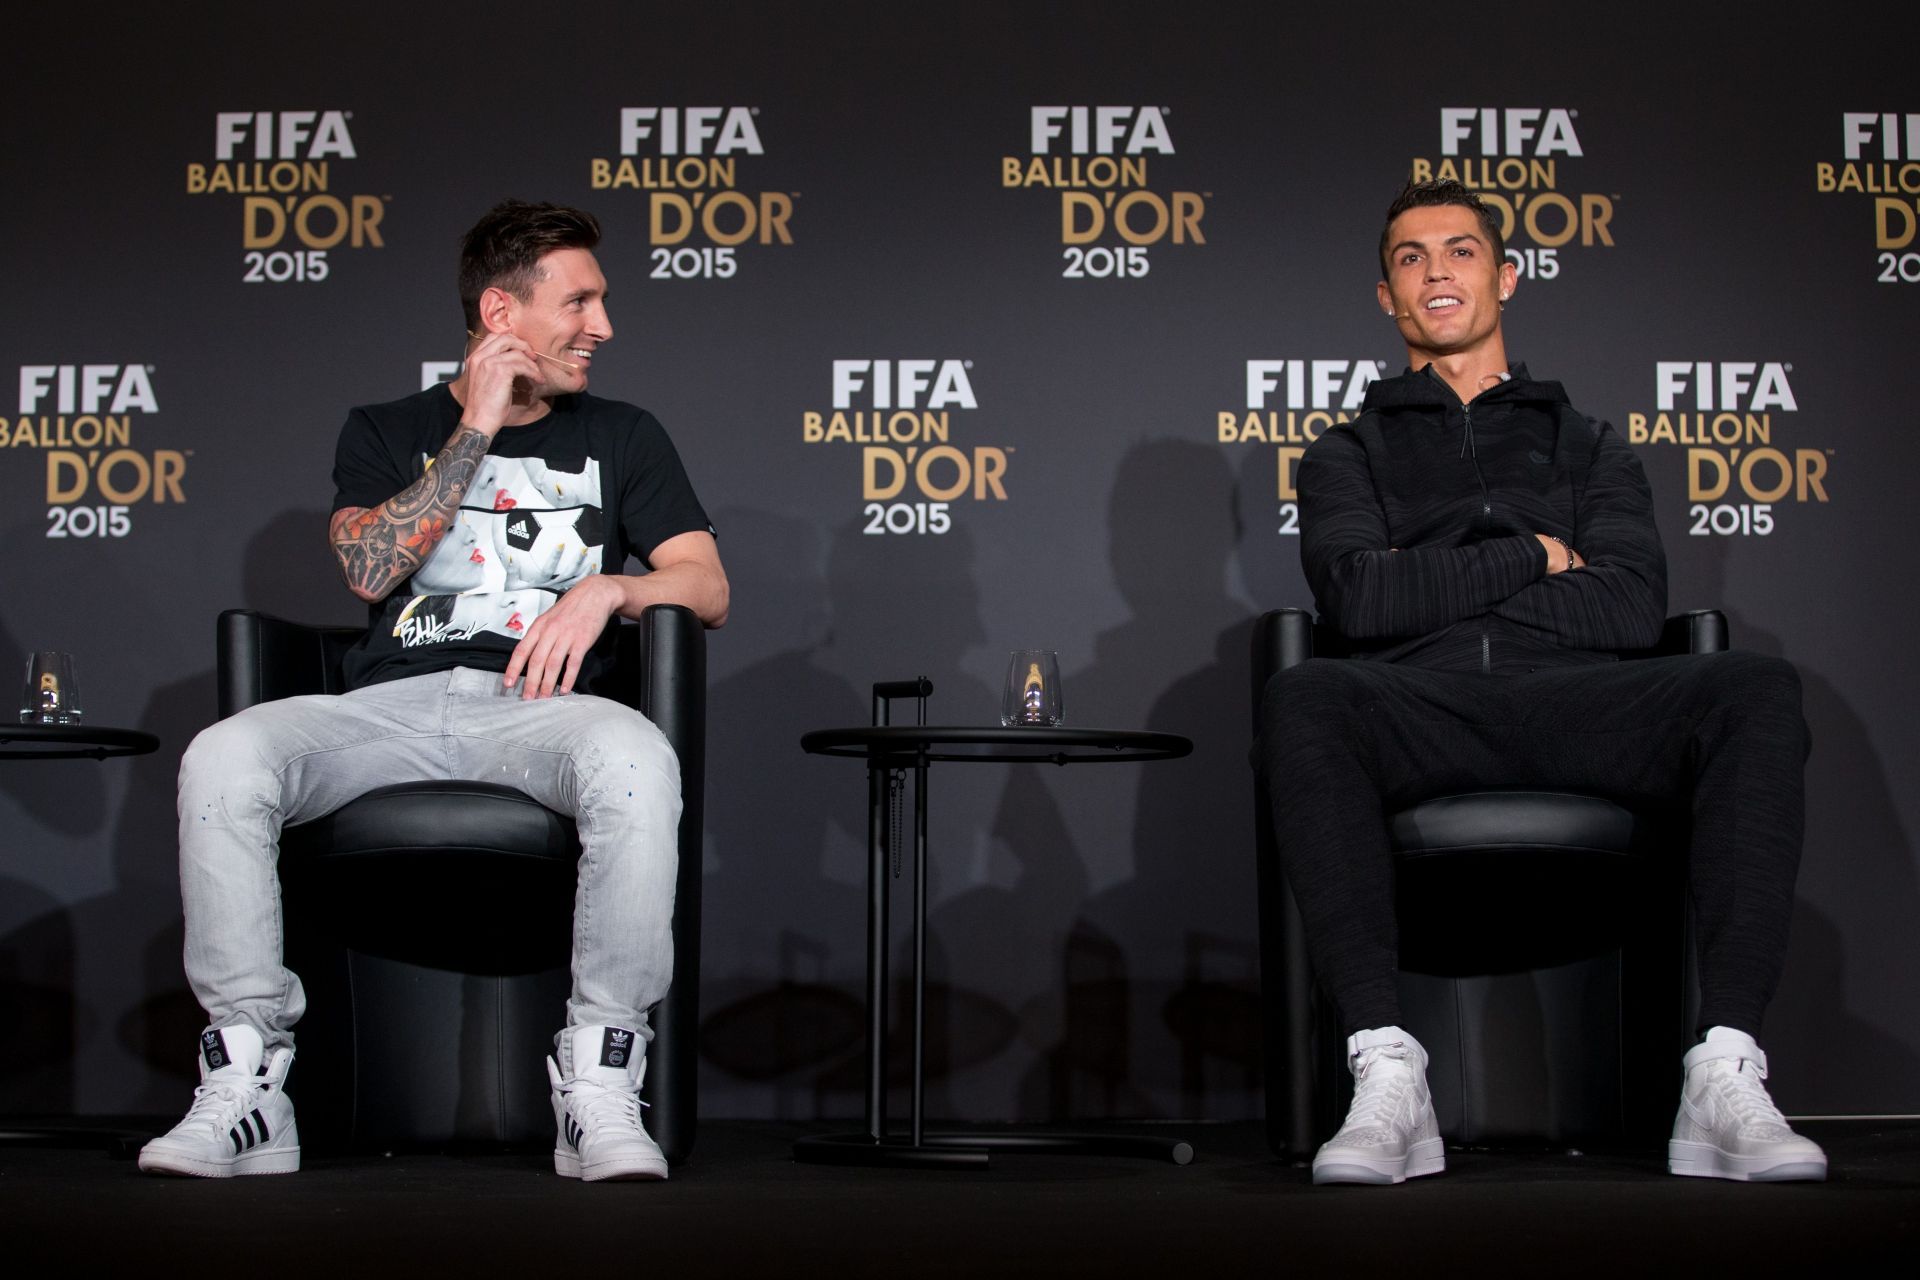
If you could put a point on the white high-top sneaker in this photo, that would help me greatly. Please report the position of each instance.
(1728, 1126)
(596, 1107)
(1390, 1134)
(241, 1121)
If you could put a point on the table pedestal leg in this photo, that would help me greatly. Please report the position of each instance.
(879, 816)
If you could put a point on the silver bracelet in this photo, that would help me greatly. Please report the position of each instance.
(1564, 547)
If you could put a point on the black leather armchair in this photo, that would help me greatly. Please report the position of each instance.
(1563, 1024)
(442, 992)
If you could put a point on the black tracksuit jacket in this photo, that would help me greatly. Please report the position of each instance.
(1418, 521)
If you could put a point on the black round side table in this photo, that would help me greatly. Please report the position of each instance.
(61, 741)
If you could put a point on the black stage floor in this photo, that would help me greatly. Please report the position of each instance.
(743, 1207)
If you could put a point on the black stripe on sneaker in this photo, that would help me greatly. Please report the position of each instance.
(261, 1121)
(247, 1129)
(234, 1134)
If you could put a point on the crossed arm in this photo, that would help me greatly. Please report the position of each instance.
(1370, 591)
(1618, 600)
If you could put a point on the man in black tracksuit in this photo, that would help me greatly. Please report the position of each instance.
(1485, 548)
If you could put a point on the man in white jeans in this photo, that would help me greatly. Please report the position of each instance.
(468, 671)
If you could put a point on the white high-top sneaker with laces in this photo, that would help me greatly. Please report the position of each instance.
(1728, 1126)
(241, 1121)
(596, 1107)
(1390, 1134)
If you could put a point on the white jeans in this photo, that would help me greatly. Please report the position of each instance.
(286, 762)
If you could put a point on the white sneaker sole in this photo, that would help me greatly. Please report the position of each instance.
(179, 1164)
(613, 1169)
(1353, 1165)
(1703, 1160)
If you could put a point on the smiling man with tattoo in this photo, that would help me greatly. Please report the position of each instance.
(487, 524)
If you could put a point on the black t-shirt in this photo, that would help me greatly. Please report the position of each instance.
(573, 494)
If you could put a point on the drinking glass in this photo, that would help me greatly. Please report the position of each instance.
(1032, 696)
(51, 696)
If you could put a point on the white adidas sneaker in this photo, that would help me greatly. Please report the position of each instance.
(1728, 1127)
(1390, 1134)
(596, 1107)
(241, 1121)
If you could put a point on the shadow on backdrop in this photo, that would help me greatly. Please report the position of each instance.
(1820, 1044)
(1160, 971)
(781, 912)
(787, 883)
(45, 1022)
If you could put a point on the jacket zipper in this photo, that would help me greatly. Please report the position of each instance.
(1468, 449)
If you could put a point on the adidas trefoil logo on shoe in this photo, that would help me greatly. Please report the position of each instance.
(618, 1044)
(213, 1049)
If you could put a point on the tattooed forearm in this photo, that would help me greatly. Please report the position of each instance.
(439, 491)
(379, 548)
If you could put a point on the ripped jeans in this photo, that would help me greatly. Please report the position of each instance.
(286, 762)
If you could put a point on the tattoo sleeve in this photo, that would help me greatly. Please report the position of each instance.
(380, 547)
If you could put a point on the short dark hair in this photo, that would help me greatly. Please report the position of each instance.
(504, 249)
(1439, 191)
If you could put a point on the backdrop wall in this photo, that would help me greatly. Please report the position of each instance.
(1133, 247)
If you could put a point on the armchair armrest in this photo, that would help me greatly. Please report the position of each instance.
(263, 658)
(660, 663)
(1285, 638)
(1282, 638)
(1696, 631)
(662, 659)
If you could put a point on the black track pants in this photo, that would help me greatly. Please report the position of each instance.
(1345, 742)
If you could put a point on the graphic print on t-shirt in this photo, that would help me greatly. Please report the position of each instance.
(526, 534)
